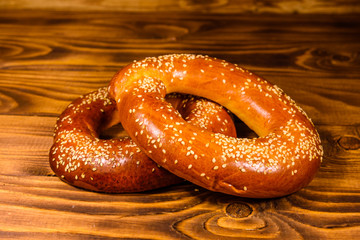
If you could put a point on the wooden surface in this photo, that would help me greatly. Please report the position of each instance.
(52, 53)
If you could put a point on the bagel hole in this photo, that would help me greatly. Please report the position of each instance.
(116, 131)
(242, 130)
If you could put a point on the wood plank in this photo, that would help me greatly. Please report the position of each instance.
(55, 68)
(27, 35)
(171, 213)
(215, 6)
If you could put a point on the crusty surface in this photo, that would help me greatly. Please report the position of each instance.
(283, 159)
(80, 158)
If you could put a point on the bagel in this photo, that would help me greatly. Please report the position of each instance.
(283, 158)
(79, 157)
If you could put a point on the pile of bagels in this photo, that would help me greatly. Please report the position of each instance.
(178, 112)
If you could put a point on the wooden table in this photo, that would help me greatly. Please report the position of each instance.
(53, 51)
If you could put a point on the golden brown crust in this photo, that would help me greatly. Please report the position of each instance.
(282, 160)
(81, 159)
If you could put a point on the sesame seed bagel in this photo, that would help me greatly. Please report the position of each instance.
(281, 160)
(79, 157)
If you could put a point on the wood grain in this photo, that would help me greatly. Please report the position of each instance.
(58, 51)
(296, 54)
(212, 6)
